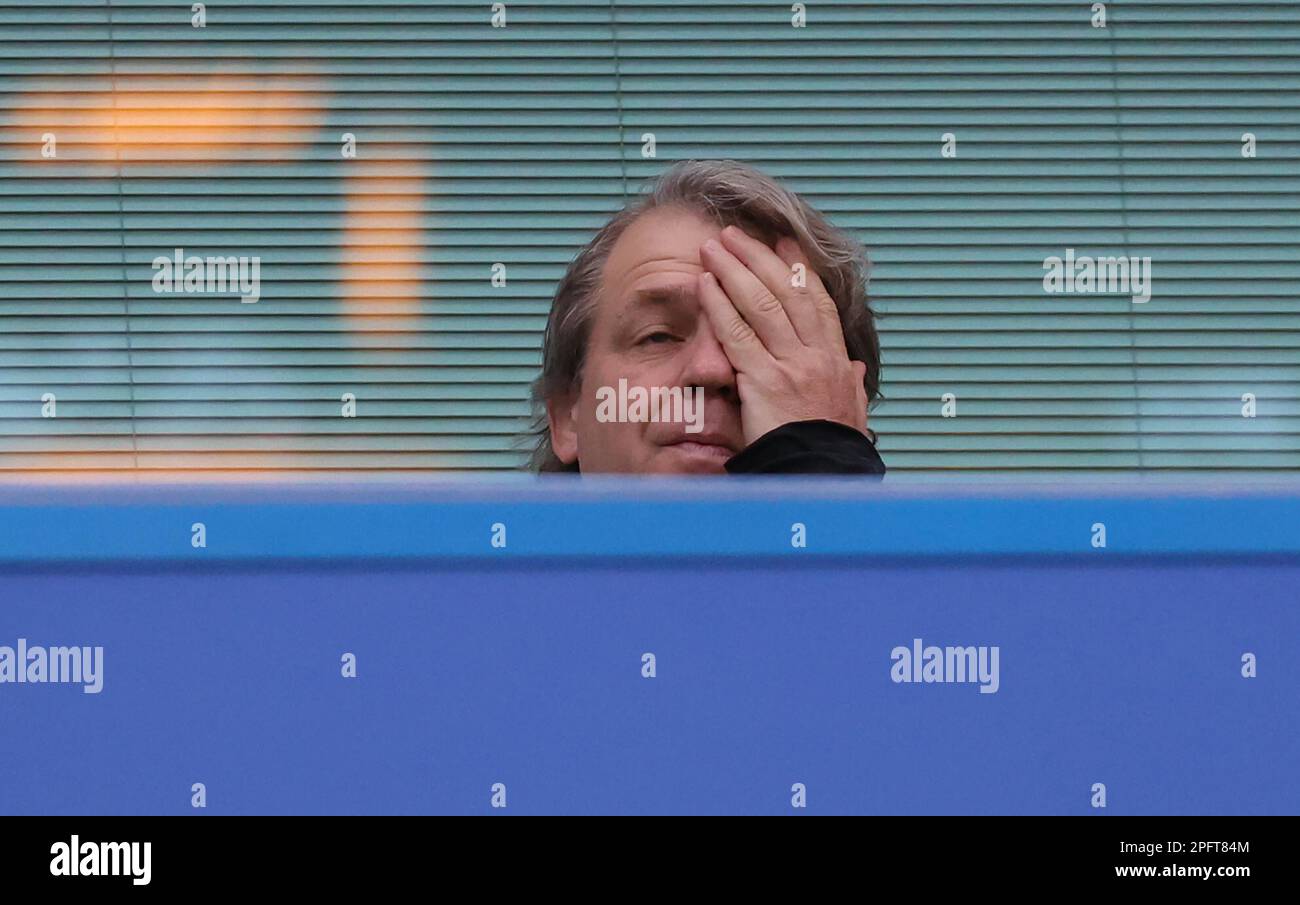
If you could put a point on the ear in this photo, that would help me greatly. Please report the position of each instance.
(562, 413)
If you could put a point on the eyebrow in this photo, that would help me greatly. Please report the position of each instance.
(662, 295)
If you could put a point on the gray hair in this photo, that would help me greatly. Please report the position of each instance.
(731, 194)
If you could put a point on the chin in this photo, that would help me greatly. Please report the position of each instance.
(683, 469)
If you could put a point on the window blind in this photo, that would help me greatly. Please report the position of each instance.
(965, 143)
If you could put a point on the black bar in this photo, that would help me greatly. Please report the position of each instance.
(335, 854)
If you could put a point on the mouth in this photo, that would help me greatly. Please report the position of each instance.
(710, 450)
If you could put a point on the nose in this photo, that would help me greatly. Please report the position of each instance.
(706, 363)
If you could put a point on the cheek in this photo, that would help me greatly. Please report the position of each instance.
(612, 443)
(638, 370)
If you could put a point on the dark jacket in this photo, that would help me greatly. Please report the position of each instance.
(809, 447)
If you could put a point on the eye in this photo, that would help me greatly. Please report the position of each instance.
(659, 336)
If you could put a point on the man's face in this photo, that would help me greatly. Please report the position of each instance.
(649, 330)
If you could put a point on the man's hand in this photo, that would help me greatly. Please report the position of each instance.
(784, 341)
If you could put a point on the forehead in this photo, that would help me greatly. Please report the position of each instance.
(660, 250)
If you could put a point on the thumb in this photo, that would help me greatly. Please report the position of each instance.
(860, 373)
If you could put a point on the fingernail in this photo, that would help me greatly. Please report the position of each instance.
(712, 247)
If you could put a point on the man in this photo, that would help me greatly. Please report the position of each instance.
(721, 282)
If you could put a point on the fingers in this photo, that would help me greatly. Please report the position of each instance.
(743, 347)
(758, 305)
(776, 275)
(830, 329)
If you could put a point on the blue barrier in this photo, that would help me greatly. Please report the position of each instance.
(1158, 672)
